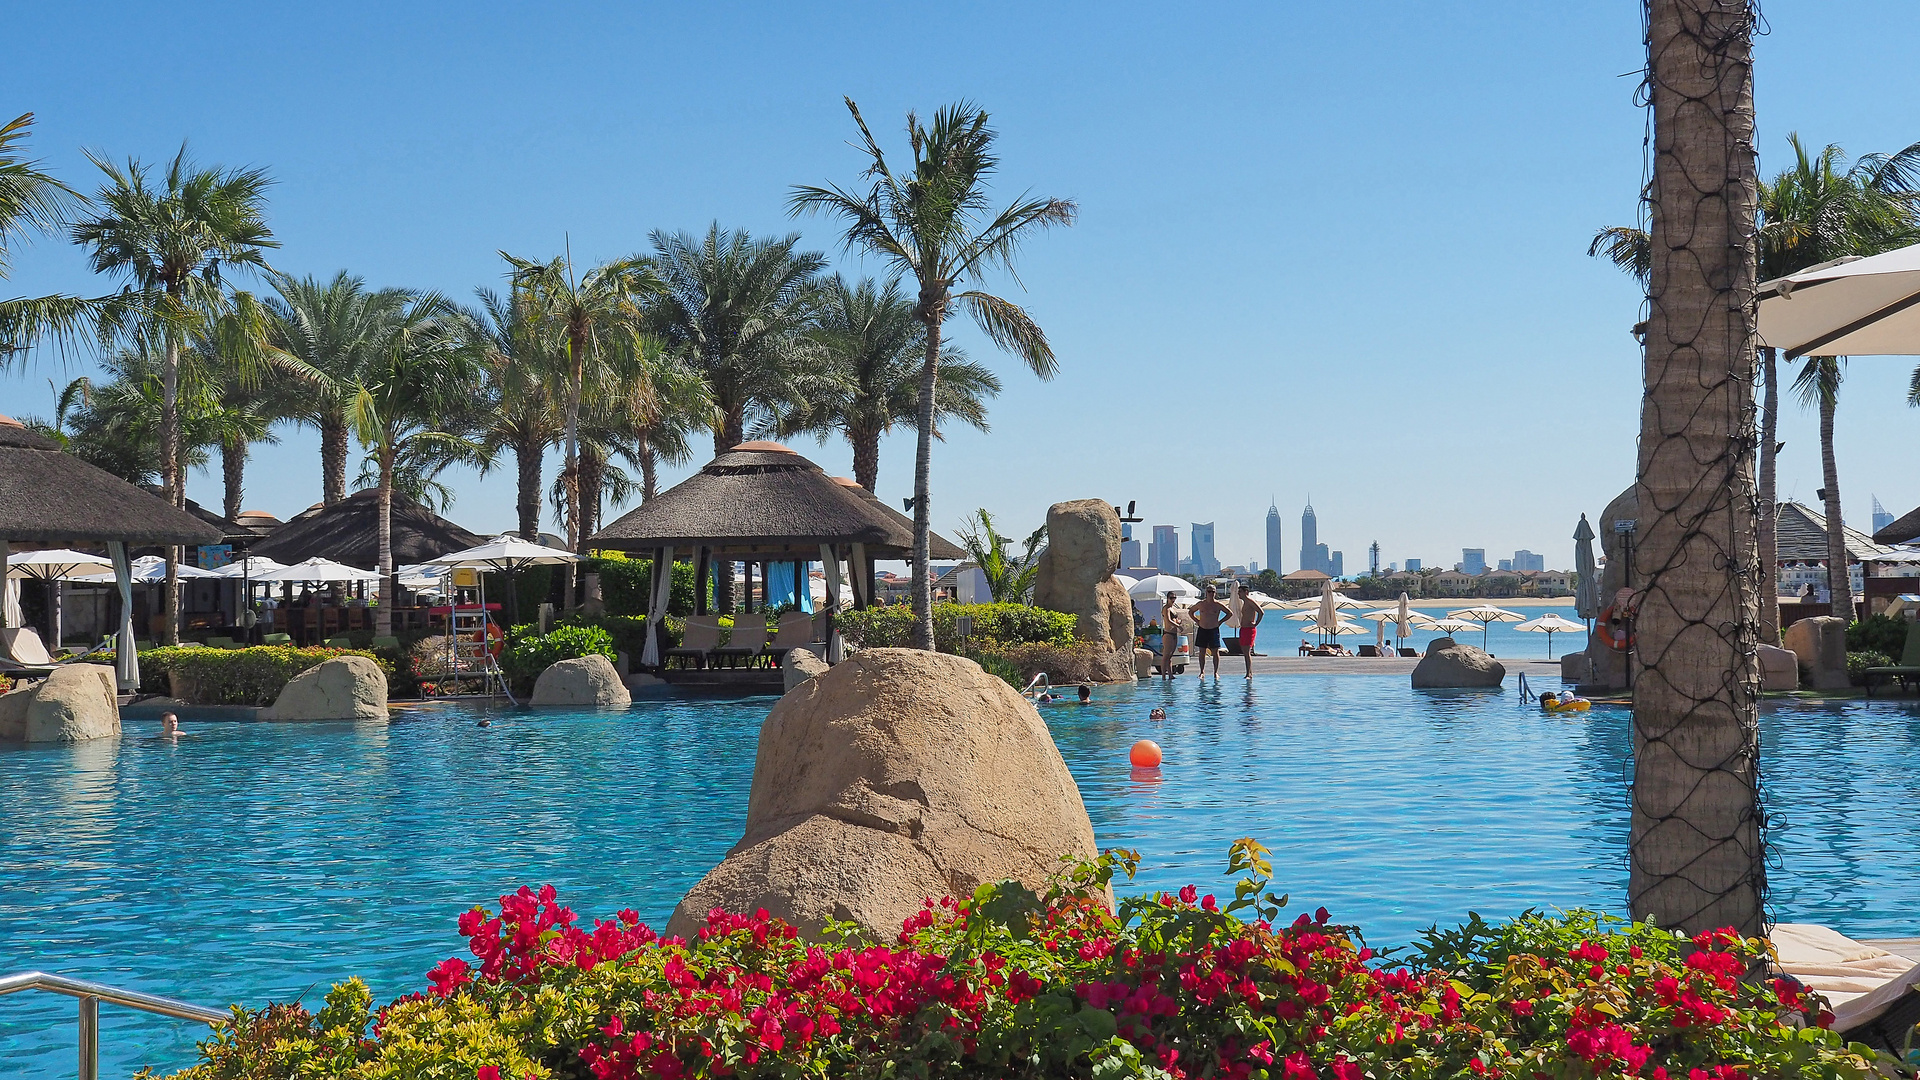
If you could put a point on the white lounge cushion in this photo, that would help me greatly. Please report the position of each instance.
(1859, 980)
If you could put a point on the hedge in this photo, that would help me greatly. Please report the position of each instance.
(528, 653)
(624, 582)
(251, 676)
(891, 626)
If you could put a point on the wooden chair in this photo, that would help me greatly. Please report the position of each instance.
(697, 644)
(748, 643)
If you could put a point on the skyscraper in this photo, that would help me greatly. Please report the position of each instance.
(1309, 537)
(1203, 561)
(1336, 565)
(1275, 558)
(1166, 549)
(1527, 560)
(1881, 519)
(1473, 560)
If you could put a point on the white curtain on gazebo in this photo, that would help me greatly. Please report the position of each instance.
(126, 655)
(657, 610)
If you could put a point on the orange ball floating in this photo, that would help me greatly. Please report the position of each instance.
(1145, 754)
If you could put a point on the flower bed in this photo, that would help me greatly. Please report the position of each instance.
(1008, 983)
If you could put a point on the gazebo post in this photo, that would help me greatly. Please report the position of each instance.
(746, 584)
(701, 564)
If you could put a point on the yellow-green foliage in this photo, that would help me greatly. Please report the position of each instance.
(250, 676)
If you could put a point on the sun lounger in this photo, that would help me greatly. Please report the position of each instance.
(697, 644)
(795, 632)
(385, 643)
(1907, 670)
(340, 642)
(1875, 994)
(222, 643)
(747, 643)
(21, 653)
(277, 639)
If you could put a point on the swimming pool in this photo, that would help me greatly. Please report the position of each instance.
(255, 862)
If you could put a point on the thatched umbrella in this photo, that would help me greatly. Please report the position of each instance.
(51, 498)
(348, 532)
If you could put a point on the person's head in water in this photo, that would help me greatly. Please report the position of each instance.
(1086, 693)
(169, 724)
(1157, 714)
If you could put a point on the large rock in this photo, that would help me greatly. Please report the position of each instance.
(1451, 664)
(1076, 576)
(583, 680)
(799, 665)
(343, 688)
(1779, 668)
(1820, 644)
(895, 776)
(1613, 545)
(73, 704)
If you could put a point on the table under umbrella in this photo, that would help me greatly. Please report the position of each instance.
(1485, 615)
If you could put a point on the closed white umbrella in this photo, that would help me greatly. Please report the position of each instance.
(1486, 614)
(1550, 624)
(318, 570)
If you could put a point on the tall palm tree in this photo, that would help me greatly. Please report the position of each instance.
(173, 245)
(736, 310)
(32, 201)
(931, 222)
(872, 346)
(400, 407)
(529, 418)
(336, 328)
(1695, 856)
(588, 316)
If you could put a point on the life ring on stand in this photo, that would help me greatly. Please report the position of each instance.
(496, 641)
(1614, 629)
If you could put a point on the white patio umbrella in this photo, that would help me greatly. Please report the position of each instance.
(250, 567)
(1126, 582)
(317, 570)
(1550, 624)
(1342, 628)
(508, 553)
(54, 565)
(1847, 307)
(1486, 614)
(1159, 585)
(1267, 603)
(148, 569)
(1452, 626)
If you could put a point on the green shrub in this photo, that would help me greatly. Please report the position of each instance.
(1062, 664)
(250, 676)
(629, 632)
(1859, 662)
(1880, 634)
(528, 652)
(623, 585)
(995, 664)
(891, 626)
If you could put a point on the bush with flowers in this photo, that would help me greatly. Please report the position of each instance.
(1010, 983)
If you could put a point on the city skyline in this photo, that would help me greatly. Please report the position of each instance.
(1163, 552)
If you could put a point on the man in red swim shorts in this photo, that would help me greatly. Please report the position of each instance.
(1250, 615)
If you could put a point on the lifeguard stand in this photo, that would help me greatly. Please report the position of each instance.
(470, 653)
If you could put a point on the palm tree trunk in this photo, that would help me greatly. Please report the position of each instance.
(593, 471)
(333, 458)
(527, 457)
(1695, 857)
(649, 470)
(1839, 579)
(933, 308)
(170, 485)
(733, 428)
(233, 471)
(866, 456)
(383, 618)
(1769, 502)
(570, 474)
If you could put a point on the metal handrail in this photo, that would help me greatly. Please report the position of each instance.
(91, 994)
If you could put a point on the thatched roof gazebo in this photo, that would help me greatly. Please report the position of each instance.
(349, 532)
(762, 504)
(49, 498)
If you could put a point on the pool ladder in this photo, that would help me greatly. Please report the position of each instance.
(91, 994)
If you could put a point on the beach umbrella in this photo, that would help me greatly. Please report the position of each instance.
(1485, 615)
(1339, 629)
(250, 567)
(1586, 595)
(148, 569)
(1126, 582)
(1267, 603)
(1327, 612)
(1848, 307)
(316, 570)
(507, 553)
(54, 565)
(1550, 624)
(1453, 626)
(1150, 588)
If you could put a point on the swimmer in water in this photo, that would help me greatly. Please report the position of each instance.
(169, 726)
(1086, 694)
(484, 722)
(1157, 714)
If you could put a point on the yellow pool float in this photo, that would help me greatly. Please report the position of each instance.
(1566, 703)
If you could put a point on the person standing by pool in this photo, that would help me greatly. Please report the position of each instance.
(1209, 613)
(1250, 615)
(1169, 633)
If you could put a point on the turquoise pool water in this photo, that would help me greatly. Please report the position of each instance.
(255, 862)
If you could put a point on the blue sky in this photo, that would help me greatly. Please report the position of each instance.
(1325, 250)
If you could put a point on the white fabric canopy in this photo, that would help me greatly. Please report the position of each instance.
(318, 570)
(507, 552)
(252, 566)
(1160, 585)
(1849, 307)
(53, 564)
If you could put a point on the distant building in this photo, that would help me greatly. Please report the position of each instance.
(1313, 553)
(1504, 564)
(1130, 553)
(1373, 559)
(1203, 561)
(1165, 552)
(1473, 561)
(1527, 560)
(1337, 565)
(1275, 561)
(1253, 567)
(1881, 519)
(1413, 566)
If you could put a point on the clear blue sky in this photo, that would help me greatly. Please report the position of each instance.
(1325, 249)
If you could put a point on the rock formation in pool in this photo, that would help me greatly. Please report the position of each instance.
(343, 688)
(1449, 663)
(73, 703)
(1076, 576)
(896, 776)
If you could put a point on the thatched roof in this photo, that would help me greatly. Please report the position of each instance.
(1801, 535)
(49, 497)
(348, 532)
(938, 547)
(1903, 531)
(762, 500)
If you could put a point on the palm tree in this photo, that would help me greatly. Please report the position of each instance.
(929, 222)
(587, 317)
(1010, 581)
(737, 311)
(1695, 856)
(529, 418)
(335, 328)
(872, 346)
(173, 245)
(399, 409)
(31, 201)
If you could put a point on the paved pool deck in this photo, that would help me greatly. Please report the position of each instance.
(1536, 668)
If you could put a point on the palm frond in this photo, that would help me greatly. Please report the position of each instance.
(1007, 325)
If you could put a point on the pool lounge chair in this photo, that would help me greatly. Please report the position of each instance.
(21, 653)
(747, 643)
(1907, 670)
(697, 644)
(795, 632)
(1875, 994)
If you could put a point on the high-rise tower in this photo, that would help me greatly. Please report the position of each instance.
(1309, 540)
(1275, 561)
(1203, 561)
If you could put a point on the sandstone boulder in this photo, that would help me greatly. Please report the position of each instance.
(1779, 668)
(73, 704)
(583, 680)
(799, 665)
(1613, 576)
(895, 776)
(1143, 661)
(343, 688)
(1076, 576)
(1451, 664)
(1820, 644)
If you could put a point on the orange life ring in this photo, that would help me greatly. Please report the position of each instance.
(1613, 628)
(496, 641)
